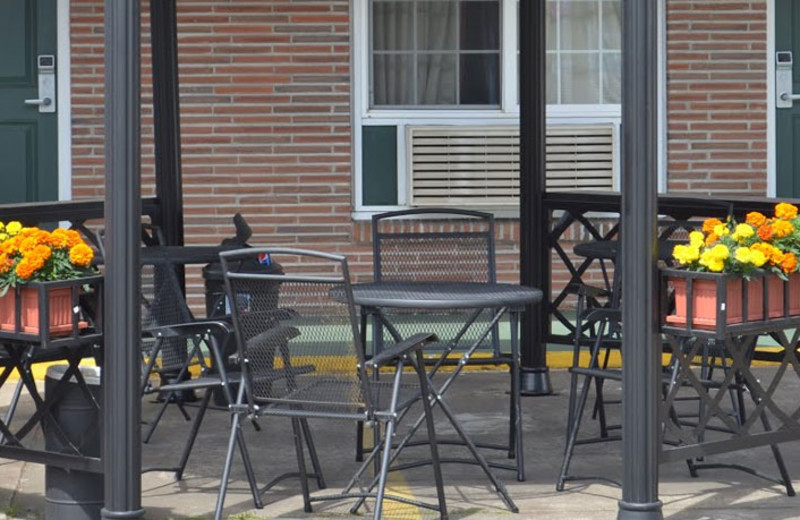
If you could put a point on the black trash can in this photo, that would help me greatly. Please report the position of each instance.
(72, 494)
(218, 304)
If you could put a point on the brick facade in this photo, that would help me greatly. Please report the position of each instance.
(266, 123)
(717, 96)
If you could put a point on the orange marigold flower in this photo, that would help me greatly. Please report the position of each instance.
(711, 238)
(765, 232)
(710, 224)
(59, 238)
(81, 254)
(756, 219)
(789, 263)
(782, 228)
(785, 211)
(41, 236)
(5, 263)
(43, 252)
(27, 244)
(25, 268)
(773, 254)
(74, 238)
(26, 232)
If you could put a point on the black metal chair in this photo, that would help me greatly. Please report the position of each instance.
(301, 357)
(443, 245)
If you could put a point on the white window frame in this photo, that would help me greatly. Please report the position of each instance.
(506, 114)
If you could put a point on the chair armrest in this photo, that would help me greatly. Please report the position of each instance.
(187, 329)
(614, 315)
(280, 333)
(411, 344)
(591, 291)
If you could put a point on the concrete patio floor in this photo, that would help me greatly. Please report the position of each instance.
(481, 403)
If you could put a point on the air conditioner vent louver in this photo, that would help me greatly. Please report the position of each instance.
(457, 166)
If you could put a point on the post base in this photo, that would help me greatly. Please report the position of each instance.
(535, 381)
(114, 515)
(639, 511)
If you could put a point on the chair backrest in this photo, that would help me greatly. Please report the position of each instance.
(437, 244)
(297, 332)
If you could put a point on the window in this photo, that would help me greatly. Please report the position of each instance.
(435, 53)
(452, 67)
(583, 52)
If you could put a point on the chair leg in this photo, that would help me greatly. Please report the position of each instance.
(512, 444)
(226, 468)
(248, 467)
(428, 411)
(198, 419)
(516, 398)
(156, 420)
(572, 434)
(360, 441)
(387, 453)
(312, 451)
(12, 408)
(301, 463)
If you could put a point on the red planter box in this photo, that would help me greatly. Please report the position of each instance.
(705, 305)
(59, 305)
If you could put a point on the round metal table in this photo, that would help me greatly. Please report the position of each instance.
(499, 298)
(444, 295)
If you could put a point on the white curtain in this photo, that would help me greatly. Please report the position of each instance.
(394, 60)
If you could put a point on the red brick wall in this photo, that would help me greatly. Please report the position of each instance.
(717, 96)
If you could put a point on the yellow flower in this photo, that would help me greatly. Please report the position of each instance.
(782, 228)
(686, 254)
(743, 232)
(712, 262)
(744, 255)
(721, 230)
(13, 227)
(785, 211)
(696, 239)
(757, 258)
(3, 236)
(720, 252)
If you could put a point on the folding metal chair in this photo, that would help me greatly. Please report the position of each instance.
(301, 357)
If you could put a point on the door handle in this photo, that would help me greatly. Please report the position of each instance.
(46, 102)
(785, 96)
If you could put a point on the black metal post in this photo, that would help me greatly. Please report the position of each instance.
(122, 456)
(533, 218)
(641, 379)
(166, 114)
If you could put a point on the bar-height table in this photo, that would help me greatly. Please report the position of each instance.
(500, 298)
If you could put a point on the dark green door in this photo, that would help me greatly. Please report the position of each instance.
(787, 111)
(28, 131)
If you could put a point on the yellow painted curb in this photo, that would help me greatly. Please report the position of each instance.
(556, 359)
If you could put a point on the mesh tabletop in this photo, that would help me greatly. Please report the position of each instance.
(444, 295)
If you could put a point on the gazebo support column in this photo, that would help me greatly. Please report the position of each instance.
(122, 456)
(166, 118)
(641, 378)
(534, 249)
